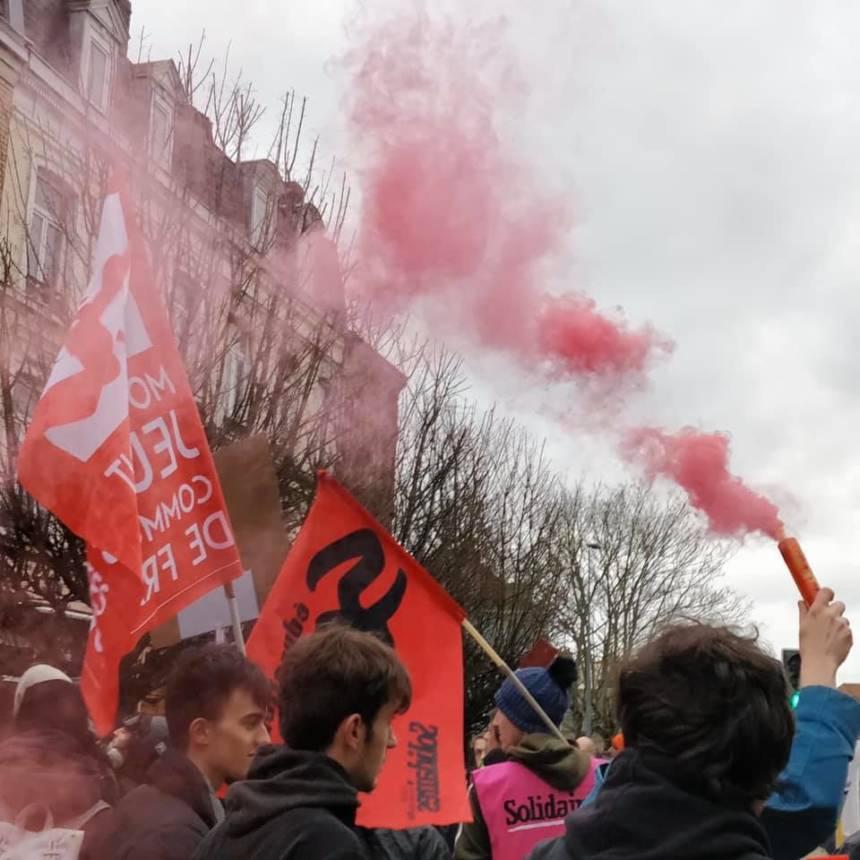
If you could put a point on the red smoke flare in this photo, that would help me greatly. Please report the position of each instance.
(454, 219)
(699, 464)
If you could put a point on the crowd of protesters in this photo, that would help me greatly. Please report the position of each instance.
(711, 760)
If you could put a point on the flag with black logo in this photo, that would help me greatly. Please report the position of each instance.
(345, 565)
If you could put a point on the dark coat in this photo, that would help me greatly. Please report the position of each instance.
(641, 814)
(293, 806)
(418, 843)
(167, 818)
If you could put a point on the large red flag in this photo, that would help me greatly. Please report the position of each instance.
(344, 564)
(117, 452)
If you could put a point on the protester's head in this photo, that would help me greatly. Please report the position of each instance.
(479, 749)
(47, 700)
(515, 717)
(216, 708)
(136, 744)
(586, 744)
(713, 704)
(340, 689)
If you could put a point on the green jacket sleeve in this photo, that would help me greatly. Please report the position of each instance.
(473, 841)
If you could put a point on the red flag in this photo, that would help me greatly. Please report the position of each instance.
(386, 590)
(117, 452)
(541, 655)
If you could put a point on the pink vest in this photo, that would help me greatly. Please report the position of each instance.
(521, 810)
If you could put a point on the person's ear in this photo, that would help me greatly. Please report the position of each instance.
(352, 731)
(200, 732)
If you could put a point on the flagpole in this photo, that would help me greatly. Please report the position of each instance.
(235, 620)
(506, 670)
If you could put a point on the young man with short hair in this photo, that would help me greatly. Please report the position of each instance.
(340, 689)
(216, 707)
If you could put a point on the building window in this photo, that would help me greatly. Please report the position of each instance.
(237, 370)
(97, 76)
(160, 136)
(260, 218)
(25, 393)
(13, 10)
(185, 304)
(45, 239)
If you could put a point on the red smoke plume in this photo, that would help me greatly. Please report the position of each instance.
(699, 464)
(455, 224)
(453, 219)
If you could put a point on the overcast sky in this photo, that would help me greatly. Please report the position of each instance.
(710, 151)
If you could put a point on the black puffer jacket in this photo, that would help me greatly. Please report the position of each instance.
(167, 818)
(293, 806)
(419, 843)
(642, 814)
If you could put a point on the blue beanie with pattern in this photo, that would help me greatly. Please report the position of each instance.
(545, 685)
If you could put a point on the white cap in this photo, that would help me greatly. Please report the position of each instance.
(37, 674)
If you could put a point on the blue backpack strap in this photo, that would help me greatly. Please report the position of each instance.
(599, 778)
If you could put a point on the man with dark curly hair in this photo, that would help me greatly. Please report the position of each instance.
(708, 731)
(707, 728)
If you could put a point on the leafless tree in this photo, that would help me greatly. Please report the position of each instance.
(479, 506)
(634, 559)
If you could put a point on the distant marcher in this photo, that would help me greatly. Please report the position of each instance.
(135, 746)
(586, 744)
(479, 749)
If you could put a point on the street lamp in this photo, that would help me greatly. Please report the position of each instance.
(588, 710)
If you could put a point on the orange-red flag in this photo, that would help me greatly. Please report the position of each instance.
(541, 655)
(345, 565)
(117, 452)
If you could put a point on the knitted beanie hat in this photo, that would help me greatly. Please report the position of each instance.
(549, 687)
(38, 674)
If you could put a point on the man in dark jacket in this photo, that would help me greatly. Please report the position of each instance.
(707, 727)
(216, 707)
(340, 689)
